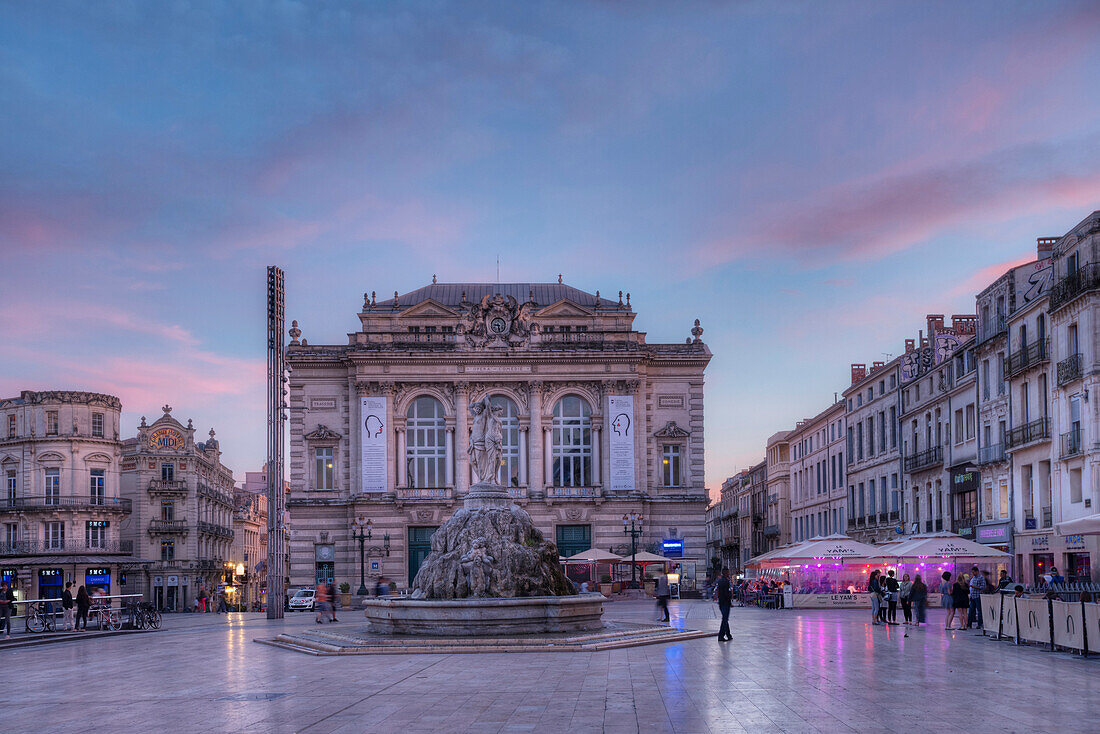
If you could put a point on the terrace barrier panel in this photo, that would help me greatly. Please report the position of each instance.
(1092, 626)
(1034, 615)
(1069, 625)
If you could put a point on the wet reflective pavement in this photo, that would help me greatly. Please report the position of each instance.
(811, 671)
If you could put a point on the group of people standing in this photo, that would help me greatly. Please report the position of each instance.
(887, 592)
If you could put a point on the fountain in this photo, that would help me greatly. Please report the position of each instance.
(490, 571)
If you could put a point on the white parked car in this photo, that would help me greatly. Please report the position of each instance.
(302, 601)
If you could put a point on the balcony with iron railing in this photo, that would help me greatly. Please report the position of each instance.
(770, 531)
(1077, 283)
(1028, 356)
(1071, 443)
(1048, 517)
(211, 528)
(1069, 369)
(1036, 430)
(53, 503)
(168, 486)
(48, 547)
(991, 454)
(572, 492)
(168, 527)
(992, 329)
(423, 493)
(924, 459)
(205, 490)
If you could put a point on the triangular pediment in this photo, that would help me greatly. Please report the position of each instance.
(428, 308)
(671, 430)
(564, 308)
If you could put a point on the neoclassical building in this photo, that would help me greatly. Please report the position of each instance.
(182, 522)
(598, 423)
(61, 509)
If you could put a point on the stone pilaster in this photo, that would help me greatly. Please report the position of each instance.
(535, 478)
(462, 438)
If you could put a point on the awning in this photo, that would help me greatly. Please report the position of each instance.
(595, 554)
(834, 548)
(944, 545)
(1089, 525)
(647, 557)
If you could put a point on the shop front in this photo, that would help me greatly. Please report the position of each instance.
(1072, 555)
(50, 583)
(97, 581)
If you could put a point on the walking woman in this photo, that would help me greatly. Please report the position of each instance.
(960, 599)
(83, 604)
(945, 599)
(919, 599)
(905, 592)
(876, 600)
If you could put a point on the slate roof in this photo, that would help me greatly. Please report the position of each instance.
(450, 294)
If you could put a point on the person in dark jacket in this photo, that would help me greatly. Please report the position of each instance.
(724, 594)
(960, 601)
(7, 608)
(83, 604)
(919, 598)
(891, 587)
(67, 605)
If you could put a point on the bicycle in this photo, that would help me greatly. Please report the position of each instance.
(108, 617)
(145, 615)
(40, 617)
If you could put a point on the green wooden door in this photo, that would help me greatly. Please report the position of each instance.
(573, 539)
(420, 545)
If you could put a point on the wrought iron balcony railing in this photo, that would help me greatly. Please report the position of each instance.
(771, 531)
(1036, 430)
(51, 503)
(168, 486)
(1069, 369)
(48, 547)
(991, 454)
(924, 459)
(214, 529)
(1028, 356)
(1086, 278)
(992, 329)
(1071, 443)
(165, 527)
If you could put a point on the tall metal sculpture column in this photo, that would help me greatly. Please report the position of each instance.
(276, 488)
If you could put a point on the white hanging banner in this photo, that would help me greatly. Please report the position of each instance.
(373, 431)
(620, 434)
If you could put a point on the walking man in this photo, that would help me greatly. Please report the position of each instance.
(977, 586)
(7, 606)
(724, 594)
(320, 600)
(663, 595)
(67, 605)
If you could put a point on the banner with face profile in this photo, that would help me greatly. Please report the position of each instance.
(373, 431)
(620, 435)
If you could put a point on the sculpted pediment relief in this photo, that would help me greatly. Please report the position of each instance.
(671, 430)
(565, 308)
(322, 433)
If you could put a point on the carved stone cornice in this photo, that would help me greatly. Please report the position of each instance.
(671, 430)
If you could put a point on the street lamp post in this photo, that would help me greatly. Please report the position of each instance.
(364, 534)
(632, 526)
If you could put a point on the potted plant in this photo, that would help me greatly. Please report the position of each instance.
(605, 584)
(345, 595)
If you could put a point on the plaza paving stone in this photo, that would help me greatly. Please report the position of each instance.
(809, 671)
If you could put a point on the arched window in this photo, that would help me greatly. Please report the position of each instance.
(509, 454)
(426, 434)
(572, 443)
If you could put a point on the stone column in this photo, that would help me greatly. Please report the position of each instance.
(402, 459)
(523, 433)
(534, 436)
(548, 455)
(462, 438)
(449, 462)
(596, 433)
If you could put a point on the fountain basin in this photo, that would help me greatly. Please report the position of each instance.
(481, 617)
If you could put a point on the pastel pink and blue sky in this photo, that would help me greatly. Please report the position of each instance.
(808, 179)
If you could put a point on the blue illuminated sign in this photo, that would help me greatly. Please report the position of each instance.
(673, 547)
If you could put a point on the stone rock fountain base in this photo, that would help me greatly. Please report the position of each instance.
(486, 617)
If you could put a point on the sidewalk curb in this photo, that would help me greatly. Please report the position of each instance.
(35, 639)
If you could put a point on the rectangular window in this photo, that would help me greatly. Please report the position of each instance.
(871, 436)
(167, 550)
(324, 468)
(894, 492)
(851, 502)
(893, 427)
(95, 534)
(871, 491)
(51, 422)
(55, 535)
(12, 484)
(11, 425)
(959, 425)
(862, 501)
(985, 379)
(11, 536)
(971, 422)
(859, 439)
(167, 510)
(670, 468)
(1042, 396)
(53, 486)
(167, 472)
(97, 425)
(96, 488)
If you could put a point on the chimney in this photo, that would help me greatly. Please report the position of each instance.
(964, 324)
(1045, 246)
(875, 367)
(910, 345)
(935, 324)
(859, 371)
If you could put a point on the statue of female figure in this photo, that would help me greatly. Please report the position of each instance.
(486, 437)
